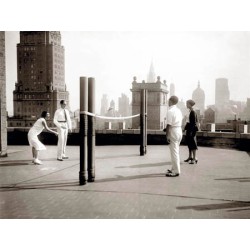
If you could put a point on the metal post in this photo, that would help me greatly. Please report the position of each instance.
(83, 130)
(142, 123)
(91, 129)
(146, 121)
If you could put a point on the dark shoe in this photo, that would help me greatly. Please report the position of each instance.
(168, 172)
(188, 159)
(59, 159)
(65, 157)
(172, 174)
(193, 161)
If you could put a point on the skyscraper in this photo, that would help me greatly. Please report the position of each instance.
(40, 76)
(123, 105)
(222, 94)
(104, 104)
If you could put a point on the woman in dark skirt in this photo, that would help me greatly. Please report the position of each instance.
(191, 129)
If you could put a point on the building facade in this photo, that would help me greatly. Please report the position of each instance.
(123, 105)
(40, 77)
(3, 112)
(222, 97)
(222, 94)
(104, 104)
(199, 97)
(157, 104)
(246, 112)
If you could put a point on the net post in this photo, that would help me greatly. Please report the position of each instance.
(83, 130)
(142, 123)
(91, 129)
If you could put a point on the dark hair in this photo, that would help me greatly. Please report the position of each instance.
(191, 102)
(174, 99)
(62, 101)
(44, 114)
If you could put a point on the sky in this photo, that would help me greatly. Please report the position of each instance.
(113, 58)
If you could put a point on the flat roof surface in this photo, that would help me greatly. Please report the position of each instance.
(127, 185)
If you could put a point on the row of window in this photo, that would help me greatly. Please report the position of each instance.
(40, 96)
(29, 109)
(28, 48)
(152, 98)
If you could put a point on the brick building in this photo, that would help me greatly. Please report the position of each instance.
(40, 77)
(3, 113)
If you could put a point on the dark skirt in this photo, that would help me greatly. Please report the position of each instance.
(191, 140)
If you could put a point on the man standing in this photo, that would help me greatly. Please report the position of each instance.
(174, 135)
(63, 123)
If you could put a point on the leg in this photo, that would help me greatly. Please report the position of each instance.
(175, 157)
(189, 156)
(175, 140)
(194, 160)
(60, 143)
(194, 154)
(33, 152)
(64, 142)
(36, 160)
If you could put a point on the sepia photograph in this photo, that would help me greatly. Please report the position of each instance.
(107, 128)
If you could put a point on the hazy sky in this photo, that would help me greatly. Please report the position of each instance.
(114, 58)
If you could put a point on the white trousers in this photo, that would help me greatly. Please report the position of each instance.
(175, 136)
(62, 141)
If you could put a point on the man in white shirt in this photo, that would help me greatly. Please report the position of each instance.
(63, 123)
(174, 135)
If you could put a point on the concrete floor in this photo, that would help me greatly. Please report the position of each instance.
(127, 185)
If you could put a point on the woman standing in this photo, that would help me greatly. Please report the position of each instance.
(191, 129)
(34, 142)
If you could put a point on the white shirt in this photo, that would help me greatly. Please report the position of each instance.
(60, 117)
(174, 116)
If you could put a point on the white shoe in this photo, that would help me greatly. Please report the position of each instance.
(37, 162)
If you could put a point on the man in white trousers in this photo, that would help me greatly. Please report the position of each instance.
(174, 135)
(63, 123)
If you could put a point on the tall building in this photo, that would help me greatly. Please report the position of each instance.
(246, 111)
(157, 104)
(123, 105)
(104, 104)
(199, 97)
(3, 112)
(222, 96)
(124, 109)
(40, 77)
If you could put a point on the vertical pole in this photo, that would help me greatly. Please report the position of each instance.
(142, 123)
(91, 129)
(83, 130)
(146, 121)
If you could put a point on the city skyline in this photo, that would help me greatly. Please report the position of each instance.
(114, 58)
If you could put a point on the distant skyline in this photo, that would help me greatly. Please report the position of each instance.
(114, 58)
